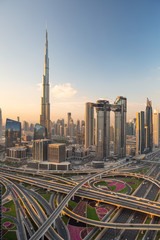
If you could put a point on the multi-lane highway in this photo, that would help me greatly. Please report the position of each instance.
(137, 205)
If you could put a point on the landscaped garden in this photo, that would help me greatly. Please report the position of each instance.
(9, 209)
(85, 208)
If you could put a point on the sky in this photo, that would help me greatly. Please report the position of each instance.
(97, 49)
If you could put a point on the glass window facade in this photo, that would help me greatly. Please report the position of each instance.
(12, 133)
(40, 132)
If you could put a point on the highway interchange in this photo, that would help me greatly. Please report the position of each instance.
(131, 210)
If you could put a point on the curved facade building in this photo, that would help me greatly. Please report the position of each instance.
(12, 133)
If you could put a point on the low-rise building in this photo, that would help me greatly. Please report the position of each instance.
(18, 153)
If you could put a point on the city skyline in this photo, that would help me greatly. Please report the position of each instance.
(96, 51)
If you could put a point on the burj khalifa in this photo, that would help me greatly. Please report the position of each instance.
(45, 105)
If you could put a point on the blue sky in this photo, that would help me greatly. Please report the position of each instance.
(97, 49)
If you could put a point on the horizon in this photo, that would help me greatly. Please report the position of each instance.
(96, 50)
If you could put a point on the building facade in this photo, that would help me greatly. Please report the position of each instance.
(120, 110)
(140, 133)
(149, 127)
(102, 129)
(40, 149)
(40, 132)
(56, 153)
(89, 125)
(12, 133)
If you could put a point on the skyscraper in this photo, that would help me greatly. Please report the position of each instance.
(120, 109)
(89, 125)
(140, 133)
(0, 124)
(102, 126)
(156, 128)
(12, 133)
(45, 105)
(102, 131)
(149, 126)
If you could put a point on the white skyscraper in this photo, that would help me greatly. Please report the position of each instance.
(156, 128)
(45, 105)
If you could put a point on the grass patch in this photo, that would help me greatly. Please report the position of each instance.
(148, 220)
(133, 186)
(27, 185)
(91, 213)
(72, 204)
(3, 188)
(95, 235)
(10, 235)
(46, 196)
(124, 190)
(112, 188)
(65, 219)
(143, 171)
(141, 235)
(10, 205)
(113, 214)
(8, 220)
(158, 235)
(101, 183)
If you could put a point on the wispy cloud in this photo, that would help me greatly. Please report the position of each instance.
(63, 91)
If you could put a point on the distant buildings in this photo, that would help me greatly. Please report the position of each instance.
(144, 130)
(45, 105)
(12, 133)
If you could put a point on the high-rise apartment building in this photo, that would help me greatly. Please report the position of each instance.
(102, 129)
(149, 127)
(120, 110)
(40, 149)
(140, 133)
(45, 105)
(68, 119)
(89, 124)
(156, 128)
(102, 126)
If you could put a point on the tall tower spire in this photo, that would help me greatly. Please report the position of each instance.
(45, 105)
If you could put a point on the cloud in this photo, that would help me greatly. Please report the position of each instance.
(63, 91)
